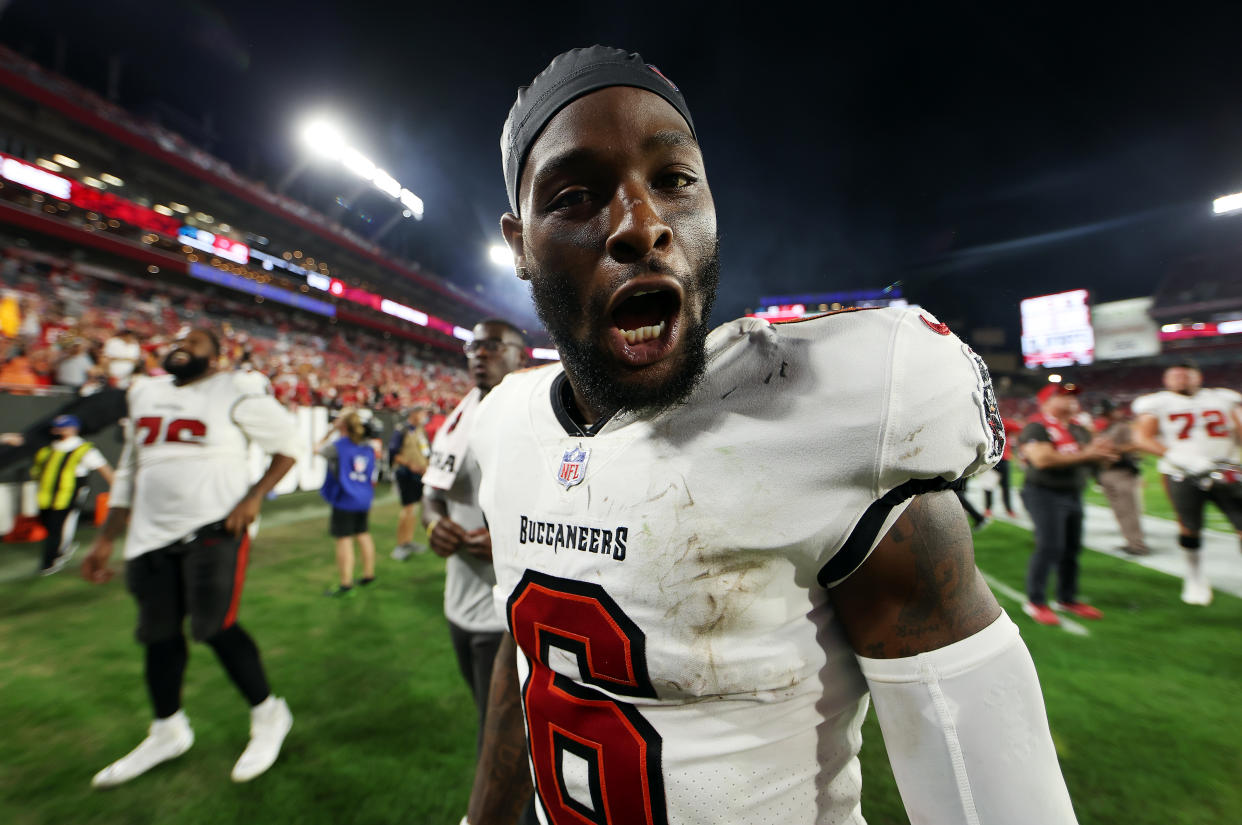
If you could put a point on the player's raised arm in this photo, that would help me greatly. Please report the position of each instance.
(502, 783)
(953, 684)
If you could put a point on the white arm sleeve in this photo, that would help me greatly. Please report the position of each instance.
(967, 733)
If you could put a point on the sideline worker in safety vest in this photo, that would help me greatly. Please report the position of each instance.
(61, 469)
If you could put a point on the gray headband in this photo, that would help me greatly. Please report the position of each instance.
(568, 77)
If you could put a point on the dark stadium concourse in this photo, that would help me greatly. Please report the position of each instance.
(319, 184)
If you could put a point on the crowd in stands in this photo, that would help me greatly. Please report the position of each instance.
(74, 327)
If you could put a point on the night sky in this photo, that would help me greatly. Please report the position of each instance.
(977, 156)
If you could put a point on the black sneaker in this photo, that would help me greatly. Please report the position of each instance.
(366, 581)
(340, 591)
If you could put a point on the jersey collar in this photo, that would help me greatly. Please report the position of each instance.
(566, 411)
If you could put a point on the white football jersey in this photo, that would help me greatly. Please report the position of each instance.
(665, 577)
(468, 580)
(1204, 422)
(184, 464)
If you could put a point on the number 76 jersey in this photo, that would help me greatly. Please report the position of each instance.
(665, 576)
(184, 464)
(1204, 422)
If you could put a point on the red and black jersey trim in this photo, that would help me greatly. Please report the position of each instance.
(855, 549)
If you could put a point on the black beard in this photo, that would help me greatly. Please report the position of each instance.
(605, 386)
(187, 371)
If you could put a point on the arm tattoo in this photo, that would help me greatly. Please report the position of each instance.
(502, 783)
(920, 589)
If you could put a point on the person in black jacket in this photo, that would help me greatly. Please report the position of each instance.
(1059, 453)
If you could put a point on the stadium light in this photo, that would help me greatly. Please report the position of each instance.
(413, 203)
(162, 209)
(386, 183)
(111, 179)
(48, 165)
(327, 140)
(95, 184)
(324, 138)
(500, 255)
(1054, 379)
(1227, 203)
(179, 207)
(545, 354)
(66, 161)
(358, 163)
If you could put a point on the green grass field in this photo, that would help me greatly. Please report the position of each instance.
(1144, 710)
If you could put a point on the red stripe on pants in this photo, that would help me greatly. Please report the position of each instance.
(239, 578)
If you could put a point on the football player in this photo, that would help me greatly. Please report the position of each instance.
(182, 486)
(456, 530)
(712, 546)
(1193, 430)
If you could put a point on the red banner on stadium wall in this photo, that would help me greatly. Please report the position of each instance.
(122, 209)
(86, 197)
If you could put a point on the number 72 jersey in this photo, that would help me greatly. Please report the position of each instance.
(1204, 422)
(186, 448)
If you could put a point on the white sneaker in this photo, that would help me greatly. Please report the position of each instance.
(1196, 591)
(167, 739)
(402, 552)
(270, 721)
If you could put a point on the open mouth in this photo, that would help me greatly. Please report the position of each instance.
(178, 356)
(645, 321)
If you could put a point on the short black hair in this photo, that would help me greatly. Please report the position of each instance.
(509, 325)
(1184, 363)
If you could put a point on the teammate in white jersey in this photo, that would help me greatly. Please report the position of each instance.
(709, 548)
(456, 530)
(1194, 430)
(182, 487)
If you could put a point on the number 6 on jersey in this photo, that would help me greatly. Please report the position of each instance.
(596, 759)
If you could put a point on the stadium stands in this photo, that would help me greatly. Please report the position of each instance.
(52, 309)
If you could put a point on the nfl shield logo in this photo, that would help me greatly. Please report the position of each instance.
(573, 467)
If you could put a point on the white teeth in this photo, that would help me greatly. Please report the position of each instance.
(635, 336)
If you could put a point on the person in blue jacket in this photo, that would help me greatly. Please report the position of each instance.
(350, 488)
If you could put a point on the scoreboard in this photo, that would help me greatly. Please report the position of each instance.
(1056, 330)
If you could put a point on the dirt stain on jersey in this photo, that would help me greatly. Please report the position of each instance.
(713, 595)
